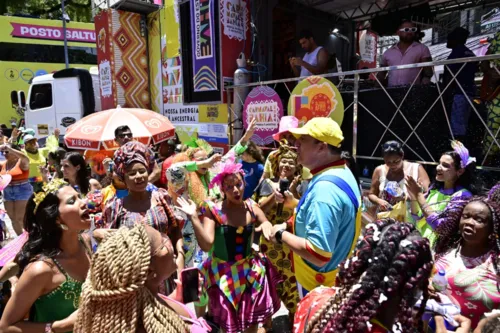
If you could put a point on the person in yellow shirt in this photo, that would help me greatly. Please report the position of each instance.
(38, 156)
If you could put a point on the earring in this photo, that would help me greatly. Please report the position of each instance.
(63, 226)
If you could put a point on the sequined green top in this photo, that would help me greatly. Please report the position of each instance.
(60, 302)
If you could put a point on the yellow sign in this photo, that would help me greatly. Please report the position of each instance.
(316, 97)
(17, 34)
(216, 113)
(170, 18)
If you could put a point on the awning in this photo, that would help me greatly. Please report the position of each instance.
(359, 9)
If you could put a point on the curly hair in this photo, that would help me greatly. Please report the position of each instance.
(449, 236)
(254, 151)
(494, 194)
(492, 325)
(391, 260)
(114, 296)
(284, 151)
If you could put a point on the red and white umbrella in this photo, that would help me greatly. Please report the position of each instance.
(97, 131)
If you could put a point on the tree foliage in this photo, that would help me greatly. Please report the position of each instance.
(78, 10)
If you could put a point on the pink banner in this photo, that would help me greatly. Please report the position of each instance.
(53, 33)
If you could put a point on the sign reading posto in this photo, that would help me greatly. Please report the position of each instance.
(54, 33)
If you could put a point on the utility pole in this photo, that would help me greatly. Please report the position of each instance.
(66, 61)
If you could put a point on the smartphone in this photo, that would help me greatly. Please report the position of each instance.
(190, 278)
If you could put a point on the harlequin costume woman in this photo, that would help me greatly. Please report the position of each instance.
(241, 284)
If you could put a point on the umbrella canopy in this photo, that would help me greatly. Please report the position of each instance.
(97, 131)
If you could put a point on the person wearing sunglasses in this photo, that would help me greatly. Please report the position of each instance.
(406, 51)
(391, 175)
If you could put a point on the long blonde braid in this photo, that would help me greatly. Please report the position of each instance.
(114, 296)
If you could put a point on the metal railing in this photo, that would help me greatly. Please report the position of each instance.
(409, 115)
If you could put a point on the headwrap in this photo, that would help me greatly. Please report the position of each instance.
(284, 151)
(133, 152)
(226, 168)
(463, 152)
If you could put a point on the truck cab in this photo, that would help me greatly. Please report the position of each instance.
(59, 99)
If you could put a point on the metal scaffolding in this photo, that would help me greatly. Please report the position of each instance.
(350, 85)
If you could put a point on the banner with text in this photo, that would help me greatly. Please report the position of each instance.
(263, 104)
(203, 39)
(234, 18)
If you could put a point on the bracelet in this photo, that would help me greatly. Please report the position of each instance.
(279, 235)
(48, 328)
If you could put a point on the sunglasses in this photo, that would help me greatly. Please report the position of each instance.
(165, 242)
(408, 29)
(125, 135)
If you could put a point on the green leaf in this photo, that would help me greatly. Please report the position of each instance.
(466, 278)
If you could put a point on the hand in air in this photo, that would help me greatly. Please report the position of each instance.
(214, 159)
(187, 206)
(252, 126)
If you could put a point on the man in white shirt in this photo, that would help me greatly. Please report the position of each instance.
(314, 62)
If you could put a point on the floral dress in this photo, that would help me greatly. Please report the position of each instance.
(279, 254)
(472, 283)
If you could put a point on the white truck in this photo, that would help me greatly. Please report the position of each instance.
(59, 99)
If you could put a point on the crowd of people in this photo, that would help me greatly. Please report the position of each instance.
(106, 241)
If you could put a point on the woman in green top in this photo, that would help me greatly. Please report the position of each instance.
(53, 263)
(454, 180)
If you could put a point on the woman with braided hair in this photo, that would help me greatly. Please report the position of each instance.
(468, 249)
(120, 292)
(377, 288)
(455, 182)
(53, 263)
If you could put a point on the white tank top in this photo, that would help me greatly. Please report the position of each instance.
(311, 59)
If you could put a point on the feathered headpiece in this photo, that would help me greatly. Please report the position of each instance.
(226, 168)
(463, 152)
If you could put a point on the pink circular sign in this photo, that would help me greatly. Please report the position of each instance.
(263, 104)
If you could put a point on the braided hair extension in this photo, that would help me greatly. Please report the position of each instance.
(449, 236)
(494, 194)
(392, 260)
(114, 296)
